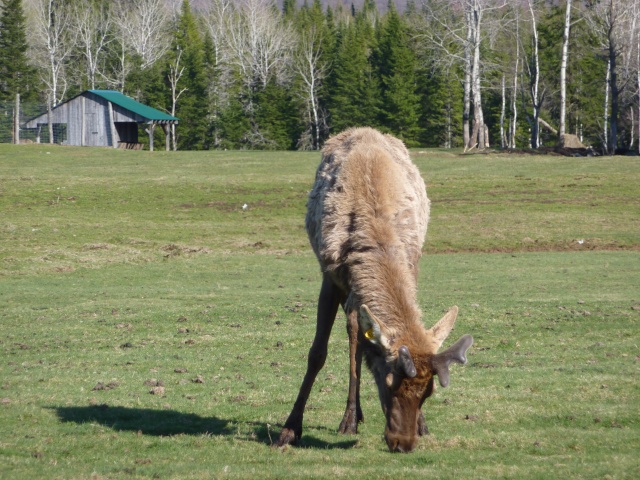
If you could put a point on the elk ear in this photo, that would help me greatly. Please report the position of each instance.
(455, 353)
(441, 330)
(370, 327)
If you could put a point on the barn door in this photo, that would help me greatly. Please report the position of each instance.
(92, 129)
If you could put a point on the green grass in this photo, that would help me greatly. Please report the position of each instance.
(121, 270)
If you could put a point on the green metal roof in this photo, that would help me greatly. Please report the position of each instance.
(129, 103)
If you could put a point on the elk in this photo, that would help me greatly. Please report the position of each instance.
(366, 219)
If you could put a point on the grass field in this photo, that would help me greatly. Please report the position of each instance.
(124, 273)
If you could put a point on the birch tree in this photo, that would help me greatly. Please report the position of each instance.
(638, 78)
(260, 49)
(614, 24)
(462, 41)
(53, 43)
(606, 118)
(141, 30)
(537, 97)
(260, 45)
(92, 23)
(563, 70)
(503, 110)
(513, 123)
(311, 70)
(217, 16)
(474, 15)
(443, 30)
(176, 72)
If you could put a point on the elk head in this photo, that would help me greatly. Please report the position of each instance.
(404, 369)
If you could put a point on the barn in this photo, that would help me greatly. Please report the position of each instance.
(103, 118)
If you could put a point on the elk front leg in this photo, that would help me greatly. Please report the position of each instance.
(328, 303)
(422, 425)
(353, 413)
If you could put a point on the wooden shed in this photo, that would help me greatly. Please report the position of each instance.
(104, 118)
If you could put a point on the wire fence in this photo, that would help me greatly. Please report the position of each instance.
(27, 111)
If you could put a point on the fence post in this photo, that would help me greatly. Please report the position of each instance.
(16, 121)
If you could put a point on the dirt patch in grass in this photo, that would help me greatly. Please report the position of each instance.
(173, 249)
(224, 206)
(533, 246)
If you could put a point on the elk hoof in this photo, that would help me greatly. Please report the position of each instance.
(349, 423)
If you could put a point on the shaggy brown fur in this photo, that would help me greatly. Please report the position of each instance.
(367, 218)
(369, 207)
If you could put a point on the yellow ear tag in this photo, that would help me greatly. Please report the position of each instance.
(369, 334)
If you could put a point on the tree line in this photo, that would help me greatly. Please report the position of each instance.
(260, 75)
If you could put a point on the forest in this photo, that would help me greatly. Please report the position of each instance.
(260, 74)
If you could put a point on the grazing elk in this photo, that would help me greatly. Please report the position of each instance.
(366, 219)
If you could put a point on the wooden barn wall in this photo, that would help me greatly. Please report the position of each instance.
(122, 115)
(98, 128)
(74, 120)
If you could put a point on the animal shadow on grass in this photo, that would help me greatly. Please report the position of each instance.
(146, 420)
(314, 443)
(165, 423)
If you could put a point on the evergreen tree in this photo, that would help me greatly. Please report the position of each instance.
(16, 75)
(188, 52)
(396, 65)
(288, 9)
(586, 78)
(550, 25)
(354, 98)
(148, 86)
(233, 124)
(276, 118)
(441, 112)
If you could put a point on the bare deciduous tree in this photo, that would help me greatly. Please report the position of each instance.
(52, 44)
(311, 70)
(260, 48)
(537, 97)
(445, 31)
(142, 27)
(514, 94)
(638, 77)
(474, 15)
(176, 71)
(217, 15)
(563, 69)
(92, 22)
(53, 41)
(615, 24)
(259, 43)
(456, 28)
(141, 34)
